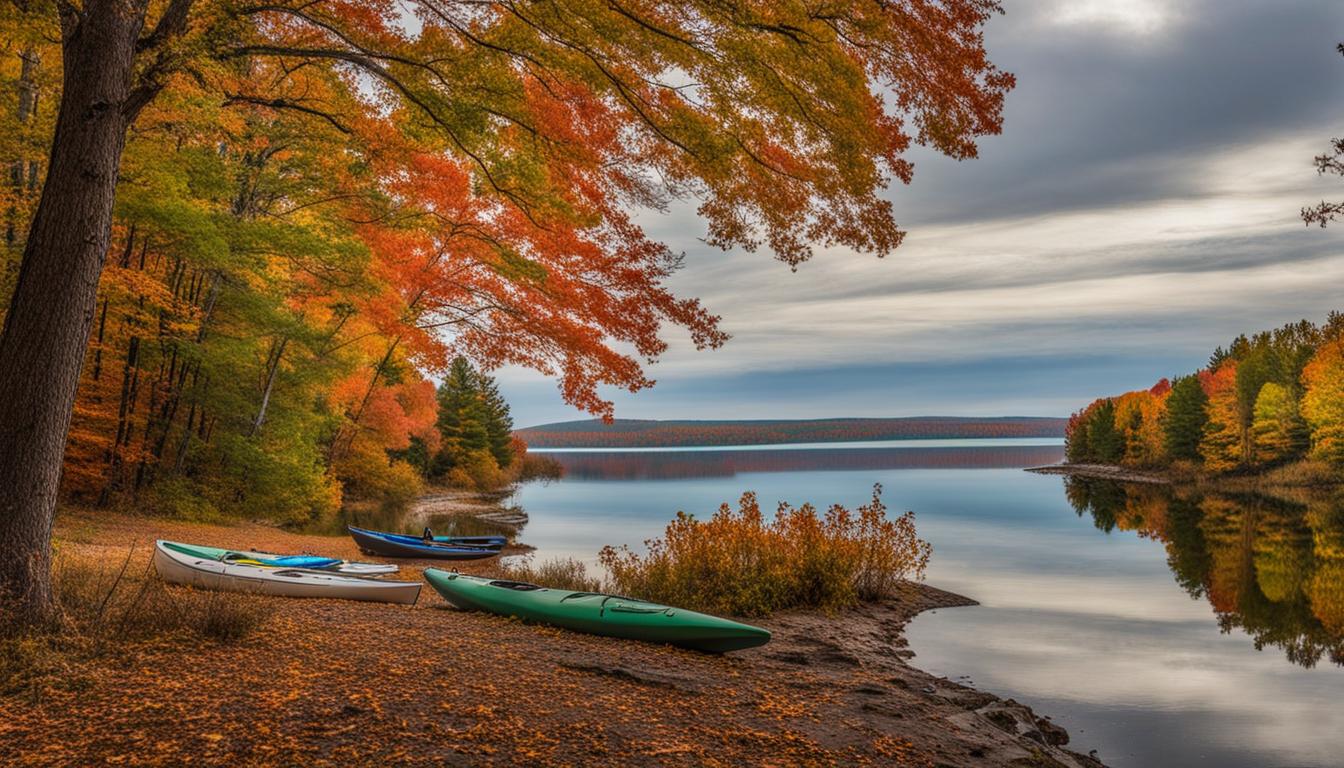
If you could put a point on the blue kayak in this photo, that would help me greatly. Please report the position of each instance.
(401, 545)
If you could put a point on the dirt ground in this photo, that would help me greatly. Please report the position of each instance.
(327, 682)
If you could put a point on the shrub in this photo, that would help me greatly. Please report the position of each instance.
(476, 470)
(558, 573)
(738, 563)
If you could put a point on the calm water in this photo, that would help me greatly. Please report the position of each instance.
(1160, 630)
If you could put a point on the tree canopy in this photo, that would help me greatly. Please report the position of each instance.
(319, 204)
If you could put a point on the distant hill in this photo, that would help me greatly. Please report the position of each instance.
(639, 433)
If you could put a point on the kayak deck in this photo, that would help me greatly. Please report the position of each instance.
(596, 613)
(177, 565)
(400, 545)
(271, 559)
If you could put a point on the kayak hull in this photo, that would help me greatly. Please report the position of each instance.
(598, 614)
(397, 545)
(183, 567)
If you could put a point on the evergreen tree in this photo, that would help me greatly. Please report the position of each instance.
(498, 422)
(1183, 425)
(474, 423)
(1106, 443)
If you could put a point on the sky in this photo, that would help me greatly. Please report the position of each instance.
(1139, 209)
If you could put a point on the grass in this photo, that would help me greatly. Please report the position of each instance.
(738, 562)
(558, 573)
(109, 609)
(1304, 473)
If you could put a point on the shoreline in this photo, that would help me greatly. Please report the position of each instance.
(485, 506)
(1102, 472)
(334, 682)
(1296, 477)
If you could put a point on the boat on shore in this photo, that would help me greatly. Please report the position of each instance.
(185, 564)
(596, 613)
(401, 545)
(273, 560)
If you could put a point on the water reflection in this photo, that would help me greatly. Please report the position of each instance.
(1270, 566)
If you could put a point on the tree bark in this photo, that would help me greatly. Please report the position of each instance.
(46, 331)
(271, 371)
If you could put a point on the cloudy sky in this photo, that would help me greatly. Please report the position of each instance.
(1140, 208)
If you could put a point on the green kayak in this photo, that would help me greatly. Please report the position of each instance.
(596, 613)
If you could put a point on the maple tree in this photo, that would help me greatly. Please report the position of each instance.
(1224, 434)
(336, 196)
(1323, 405)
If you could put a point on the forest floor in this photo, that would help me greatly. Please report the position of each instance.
(328, 682)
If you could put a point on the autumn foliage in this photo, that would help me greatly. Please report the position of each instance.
(1266, 400)
(738, 562)
(320, 204)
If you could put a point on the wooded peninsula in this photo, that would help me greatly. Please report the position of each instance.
(1270, 404)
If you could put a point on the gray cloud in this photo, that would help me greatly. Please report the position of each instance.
(1140, 208)
(1100, 118)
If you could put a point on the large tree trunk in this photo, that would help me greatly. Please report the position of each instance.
(47, 328)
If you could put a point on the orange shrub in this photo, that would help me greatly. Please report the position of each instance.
(736, 562)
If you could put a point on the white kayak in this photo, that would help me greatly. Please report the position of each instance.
(181, 564)
(304, 562)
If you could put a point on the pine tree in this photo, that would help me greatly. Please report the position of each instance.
(1183, 425)
(498, 422)
(475, 426)
(1106, 442)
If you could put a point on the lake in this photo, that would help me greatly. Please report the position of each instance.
(1160, 629)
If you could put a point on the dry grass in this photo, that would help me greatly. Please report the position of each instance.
(558, 573)
(739, 563)
(106, 609)
(1304, 473)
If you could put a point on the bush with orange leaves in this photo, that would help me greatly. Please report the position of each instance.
(739, 563)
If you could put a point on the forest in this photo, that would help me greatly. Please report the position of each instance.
(630, 433)
(1271, 399)
(241, 240)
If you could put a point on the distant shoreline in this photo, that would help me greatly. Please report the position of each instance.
(910, 443)
(631, 433)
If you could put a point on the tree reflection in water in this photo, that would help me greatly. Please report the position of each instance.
(1271, 566)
